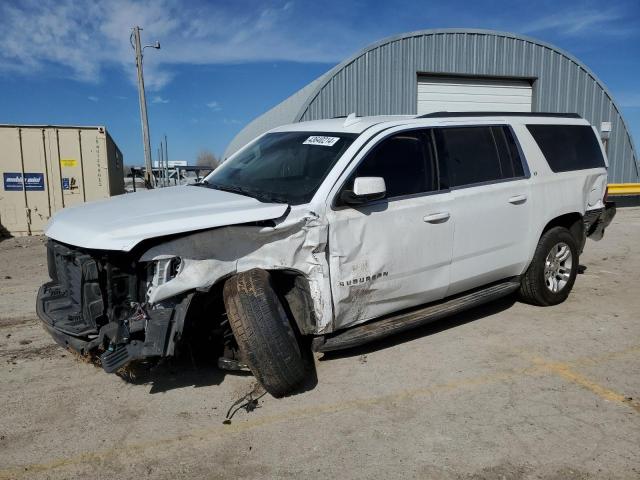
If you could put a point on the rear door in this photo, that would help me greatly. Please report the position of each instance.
(392, 253)
(484, 169)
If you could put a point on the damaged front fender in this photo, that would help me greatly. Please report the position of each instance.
(297, 243)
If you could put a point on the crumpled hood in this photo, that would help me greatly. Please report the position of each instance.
(120, 223)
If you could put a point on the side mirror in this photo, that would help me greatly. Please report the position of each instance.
(365, 189)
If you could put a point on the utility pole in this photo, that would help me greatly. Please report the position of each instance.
(166, 161)
(160, 158)
(135, 43)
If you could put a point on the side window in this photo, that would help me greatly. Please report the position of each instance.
(405, 161)
(468, 155)
(568, 147)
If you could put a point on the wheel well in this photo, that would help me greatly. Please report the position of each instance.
(204, 329)
(572, 222)
(291, 285)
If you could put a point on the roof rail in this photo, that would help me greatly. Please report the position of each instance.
(499, 114)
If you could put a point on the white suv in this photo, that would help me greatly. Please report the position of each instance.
(328, 234)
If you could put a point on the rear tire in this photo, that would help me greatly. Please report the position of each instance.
(552, 273)
(263, 332)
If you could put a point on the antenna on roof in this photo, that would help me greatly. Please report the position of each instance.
(351, 119)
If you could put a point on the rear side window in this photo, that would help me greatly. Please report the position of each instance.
(470, 155)
(568, 147)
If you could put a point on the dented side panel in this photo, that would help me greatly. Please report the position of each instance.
(297, 243)
(384, 257)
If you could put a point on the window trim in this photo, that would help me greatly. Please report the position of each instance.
(523, 160)
(334, 201)
(525, 167)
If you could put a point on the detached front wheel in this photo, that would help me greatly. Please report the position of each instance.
(263, 332)
(552, 273)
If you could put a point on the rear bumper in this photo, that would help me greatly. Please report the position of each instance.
(598, 221)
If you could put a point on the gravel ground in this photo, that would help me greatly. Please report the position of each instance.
(504, 391)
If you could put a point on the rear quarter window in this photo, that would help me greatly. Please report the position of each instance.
(568, 147)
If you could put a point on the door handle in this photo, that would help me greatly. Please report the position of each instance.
(518, 199)
(437, 217)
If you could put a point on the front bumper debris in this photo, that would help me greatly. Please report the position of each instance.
(83, 314)
(122, 349)
(139, 337)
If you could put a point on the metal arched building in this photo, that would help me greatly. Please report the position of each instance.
(457, 70)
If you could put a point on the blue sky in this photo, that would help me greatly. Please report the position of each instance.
(224, 63)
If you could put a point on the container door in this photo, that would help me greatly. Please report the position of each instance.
(70, 161)
(35, 168)
(94, 159)
(54, 180)
(13, 206)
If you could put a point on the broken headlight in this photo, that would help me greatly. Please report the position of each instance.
(161, 270)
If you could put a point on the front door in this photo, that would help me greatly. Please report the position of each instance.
(393, 253)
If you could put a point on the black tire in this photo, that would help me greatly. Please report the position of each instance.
(263, 332)
(533, 286)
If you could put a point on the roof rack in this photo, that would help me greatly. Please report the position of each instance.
(498, 114)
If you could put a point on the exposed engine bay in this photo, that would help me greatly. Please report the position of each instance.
(97, 302)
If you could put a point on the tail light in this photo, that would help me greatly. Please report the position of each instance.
(606, 194)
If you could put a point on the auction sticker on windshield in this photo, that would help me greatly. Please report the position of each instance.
(322, 141)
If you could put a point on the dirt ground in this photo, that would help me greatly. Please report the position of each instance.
(503, 391)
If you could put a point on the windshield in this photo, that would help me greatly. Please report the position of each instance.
(285, 167)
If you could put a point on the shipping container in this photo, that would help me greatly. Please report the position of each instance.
(47, 168)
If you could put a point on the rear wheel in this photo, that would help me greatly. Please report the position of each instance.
(263, 332)
(552, 273)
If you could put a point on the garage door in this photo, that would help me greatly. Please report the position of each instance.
(451, 94)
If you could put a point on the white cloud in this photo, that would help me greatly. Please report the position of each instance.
(576, 22)
(81, 39)
(159, 99)
(93, 98)
(215, 106)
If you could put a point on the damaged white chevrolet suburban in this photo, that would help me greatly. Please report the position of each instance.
(329, 234)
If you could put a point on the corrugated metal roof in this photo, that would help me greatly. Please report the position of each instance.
(382, 80)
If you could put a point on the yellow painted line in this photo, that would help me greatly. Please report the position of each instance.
(220, 431)
(563, 370)
(624, 188)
